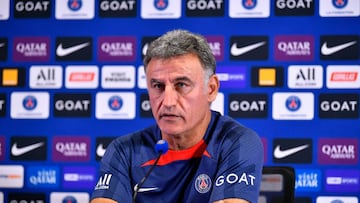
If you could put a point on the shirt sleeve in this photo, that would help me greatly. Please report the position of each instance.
(114, 180)
(240, 166)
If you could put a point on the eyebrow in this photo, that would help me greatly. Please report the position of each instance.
(183, 78)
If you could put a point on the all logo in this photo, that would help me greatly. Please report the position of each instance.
(305, 77)
(28, 148)
(71, 148)
(248, 105)
(339, 106)
(157, 9)
(292, 151)
(293, 106)
(32, 9)
(101, 144)
(339, 47)
(72, 105)
(294, 7)
(74, 48)
(249, 48)
(115, 105)
(195, 8)
(3, 48)
(49, 77)
(117, 8)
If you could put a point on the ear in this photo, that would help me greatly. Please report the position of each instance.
(213, 87)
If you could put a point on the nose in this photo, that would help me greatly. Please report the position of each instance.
(170, 97)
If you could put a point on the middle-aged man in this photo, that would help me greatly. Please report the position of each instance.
(211, 157)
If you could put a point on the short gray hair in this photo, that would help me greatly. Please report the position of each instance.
(180, 42)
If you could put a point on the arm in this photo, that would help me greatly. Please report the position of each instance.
(102, 200)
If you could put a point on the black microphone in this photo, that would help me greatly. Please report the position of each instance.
(161, 148)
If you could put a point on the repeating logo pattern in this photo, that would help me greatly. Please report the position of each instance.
(72, 80)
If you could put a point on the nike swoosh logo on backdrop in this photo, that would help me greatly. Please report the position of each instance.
(144, 49)
(235, 51)
(279, 154)
(100, 151)
(325, 50)
(60, 51)
(17, 151)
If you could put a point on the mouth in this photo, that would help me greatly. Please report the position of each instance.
(168, 116)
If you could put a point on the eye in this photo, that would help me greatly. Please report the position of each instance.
(181, 85)
(158, 86)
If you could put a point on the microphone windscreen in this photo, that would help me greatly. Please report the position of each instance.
(161, 146)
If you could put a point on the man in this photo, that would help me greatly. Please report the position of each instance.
(211, 157)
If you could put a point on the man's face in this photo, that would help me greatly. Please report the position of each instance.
(178, 94)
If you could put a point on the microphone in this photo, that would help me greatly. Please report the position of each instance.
(161, 147)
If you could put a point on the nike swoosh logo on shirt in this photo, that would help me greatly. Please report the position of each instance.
(279, 154)
(100, 151)
(148, 189)
(235, 51)
(325, 50)
(60, 51)
(17, 151)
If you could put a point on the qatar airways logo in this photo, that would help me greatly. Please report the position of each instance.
(117, 48)
(31, 49)
(338, 151)
(294, 48)
(71, 148)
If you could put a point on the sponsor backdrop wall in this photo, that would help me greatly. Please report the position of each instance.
(71, 79)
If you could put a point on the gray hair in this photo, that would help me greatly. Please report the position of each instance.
(180, 42)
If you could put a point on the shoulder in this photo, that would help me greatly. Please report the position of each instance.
(229, 134)
(229, 128)
(129, 142)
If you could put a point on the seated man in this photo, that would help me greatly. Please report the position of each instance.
(211, 157)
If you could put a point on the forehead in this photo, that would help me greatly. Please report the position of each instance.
(188, 64)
